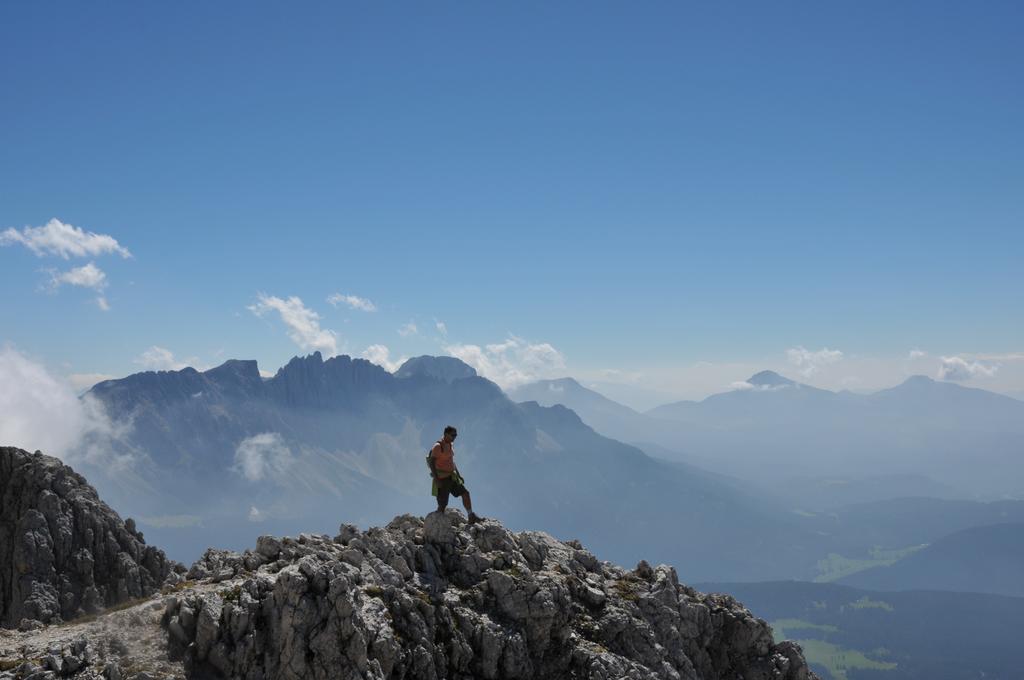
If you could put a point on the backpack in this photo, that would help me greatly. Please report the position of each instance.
(433, 482)
(428, 453)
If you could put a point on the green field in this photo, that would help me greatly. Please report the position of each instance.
(867, 603)
(836, 566)
(781, 628)
(839, 660)
(835, 658)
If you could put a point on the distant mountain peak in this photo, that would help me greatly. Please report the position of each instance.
(558, 383)
(443, 368)
(769, 379)
(238, 368)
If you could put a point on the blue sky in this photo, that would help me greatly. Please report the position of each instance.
(665, 196)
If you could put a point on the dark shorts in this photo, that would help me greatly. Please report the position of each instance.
(448, 486)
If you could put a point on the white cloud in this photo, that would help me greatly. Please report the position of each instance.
(352, 301)
(261, 456)
(86, 276)
(256, 515)
(513, 362)
(43, 412)
(916, 354)
(441, 328)
(162, 359)
(959, 369)
(744, 386)
(64, 240)
(808, 363)
(380, 355)
(408, 329)
(303, 323)
(84, 381)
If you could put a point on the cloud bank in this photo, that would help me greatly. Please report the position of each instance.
(41, 411)
(958, 369)
(513, 362)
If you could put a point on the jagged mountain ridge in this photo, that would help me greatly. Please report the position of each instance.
(356, 436)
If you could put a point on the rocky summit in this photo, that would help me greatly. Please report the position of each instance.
(439, 598)
(63, 552)
(422, 598)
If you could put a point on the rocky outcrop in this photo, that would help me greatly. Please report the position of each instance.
(63, 552)
(438, 598)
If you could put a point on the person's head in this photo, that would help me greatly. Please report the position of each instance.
(450, 433)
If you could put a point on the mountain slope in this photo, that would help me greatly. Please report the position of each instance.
(987, 559)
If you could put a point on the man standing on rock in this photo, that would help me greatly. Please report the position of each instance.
(446, 474)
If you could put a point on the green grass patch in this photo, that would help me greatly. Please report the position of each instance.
(626, 588)
(375, 591)
(836, 566)
(893, 555)
(838, 660)
(867, 603)
(781, 628)
(11, 664)
(231, 594)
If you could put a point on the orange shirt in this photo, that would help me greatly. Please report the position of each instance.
(444, 458)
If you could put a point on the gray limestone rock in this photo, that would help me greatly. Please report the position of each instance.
(63, 552)
(439, 598)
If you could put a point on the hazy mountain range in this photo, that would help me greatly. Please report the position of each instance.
(220, 456)
(223, 455)
(921, 437)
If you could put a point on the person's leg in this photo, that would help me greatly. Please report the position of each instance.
(443, 488)
(467, 502)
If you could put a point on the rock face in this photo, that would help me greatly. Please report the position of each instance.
(438, 598)
(63, 552)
